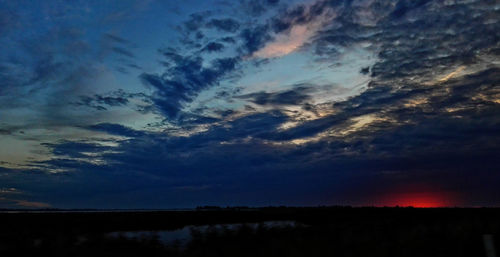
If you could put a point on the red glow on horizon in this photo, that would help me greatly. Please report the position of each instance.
(419, 200)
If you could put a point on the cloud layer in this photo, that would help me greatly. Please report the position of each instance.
(214, 130)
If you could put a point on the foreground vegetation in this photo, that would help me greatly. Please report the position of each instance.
(334, 231)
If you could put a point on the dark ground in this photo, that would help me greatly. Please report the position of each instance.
(327, 231)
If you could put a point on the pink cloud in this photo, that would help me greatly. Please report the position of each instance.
(291, 40)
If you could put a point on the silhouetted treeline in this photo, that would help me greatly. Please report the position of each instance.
(324, 231)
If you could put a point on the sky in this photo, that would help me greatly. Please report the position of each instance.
(148, 104)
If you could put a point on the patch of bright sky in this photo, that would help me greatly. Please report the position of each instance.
(18, 153)
(330, 82)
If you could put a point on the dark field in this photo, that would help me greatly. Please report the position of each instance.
(332, 231)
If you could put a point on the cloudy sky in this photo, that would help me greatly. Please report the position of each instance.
(175, 104)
